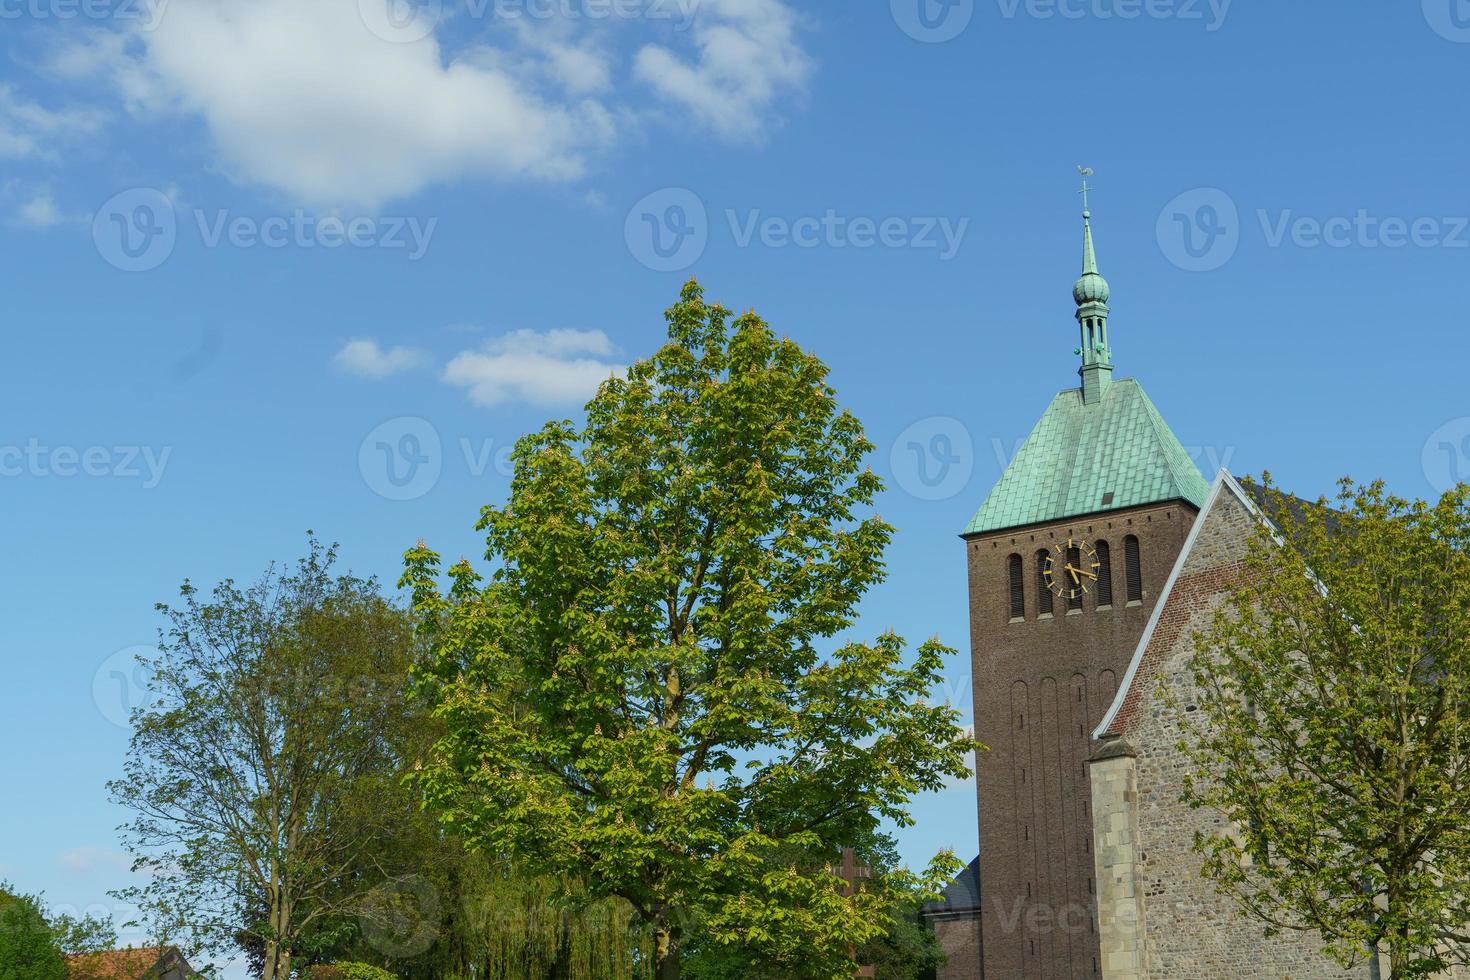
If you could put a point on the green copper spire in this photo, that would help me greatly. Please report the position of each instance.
(1091, 293)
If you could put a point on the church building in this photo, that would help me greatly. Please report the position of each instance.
(1092, 562)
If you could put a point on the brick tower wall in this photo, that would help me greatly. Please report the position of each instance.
(1041, 684)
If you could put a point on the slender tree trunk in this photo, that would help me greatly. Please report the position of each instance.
(268, 962)
(1375, 968)
(1398, 956)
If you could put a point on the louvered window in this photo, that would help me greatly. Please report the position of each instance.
(1018, 589)
(1104, 574)
(1133, 568)
(1043, 594)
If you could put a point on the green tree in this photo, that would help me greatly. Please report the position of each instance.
(349, 971)
(28, 949)
(465, 916)
(87, 934)
(256, 770)
(636, 697)
(1335, 695)
(907, 950)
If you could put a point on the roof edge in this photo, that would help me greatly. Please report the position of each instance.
(1165, 433)
(1223, 481)
(970, 535)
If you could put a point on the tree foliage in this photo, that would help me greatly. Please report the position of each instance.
(466, 916)
(349, 971)
(85, 934)
(28, 948)
(257, 771)
(636, 697)
(1336, 727)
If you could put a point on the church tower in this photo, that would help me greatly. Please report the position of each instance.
(1066, 556)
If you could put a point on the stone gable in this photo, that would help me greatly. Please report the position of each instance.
(1158, 917)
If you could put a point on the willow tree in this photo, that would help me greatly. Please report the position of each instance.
(639, 694)
(1336, 728)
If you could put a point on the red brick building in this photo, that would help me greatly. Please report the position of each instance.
(1092, 563)
(1067, 557)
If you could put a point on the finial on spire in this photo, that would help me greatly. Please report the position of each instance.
(1089, 257)
(1091, 293)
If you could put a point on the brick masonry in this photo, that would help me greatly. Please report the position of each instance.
(959, 936)
(1042, 682)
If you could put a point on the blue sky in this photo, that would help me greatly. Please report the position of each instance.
(247, 243)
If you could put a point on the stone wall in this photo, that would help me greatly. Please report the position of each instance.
(1190, 932)
(1120, 922)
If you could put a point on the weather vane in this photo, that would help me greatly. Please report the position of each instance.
(1085, 172)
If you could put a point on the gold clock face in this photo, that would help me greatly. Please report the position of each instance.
(1071, 569)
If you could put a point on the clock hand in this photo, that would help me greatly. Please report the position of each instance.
(1079, 571)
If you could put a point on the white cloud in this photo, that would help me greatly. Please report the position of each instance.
(39, 212)
(28, 129)
(92, 858)
(748, 58)
(552, 368)
(366, 359)
(579, 69)
(305, 97)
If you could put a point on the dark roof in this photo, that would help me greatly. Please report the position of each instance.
(1271, 504)
(961, 894)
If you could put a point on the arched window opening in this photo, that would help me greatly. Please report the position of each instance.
(1133, 569)
(1018, 588)
(1104, 574)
